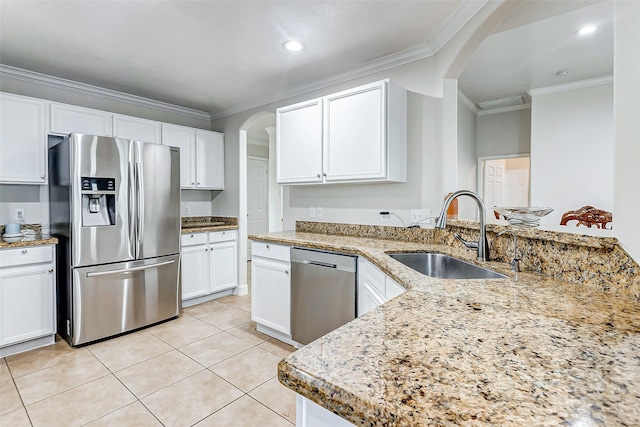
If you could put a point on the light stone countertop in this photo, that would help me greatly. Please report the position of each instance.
(537, 351)
(39, 241)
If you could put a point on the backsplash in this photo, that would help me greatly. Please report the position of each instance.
(598, 262)
(205, 221)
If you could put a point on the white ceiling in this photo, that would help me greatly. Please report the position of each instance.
(221, 56)
(511, 62)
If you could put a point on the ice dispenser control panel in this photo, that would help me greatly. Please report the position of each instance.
(98, 184)
(98, 201)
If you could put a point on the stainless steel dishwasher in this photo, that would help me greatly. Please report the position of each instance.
(323, 292)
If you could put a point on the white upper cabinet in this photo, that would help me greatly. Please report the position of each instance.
(23, 140)
(66, 119)
(357, 135)
(209, 160)
(137, 129)
(185, 139)
(201, 156)
(299, 142)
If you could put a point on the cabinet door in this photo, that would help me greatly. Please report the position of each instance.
(23, 140)
(185, 139)
(271, 294)
(27, 305)
(368, 298)
(355, 134)
(299, 143)
(223, 266)
(195, 271)
(66, 119)
(127, 127)
(210, 160)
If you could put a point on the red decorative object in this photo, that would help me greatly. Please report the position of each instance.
(588, 215)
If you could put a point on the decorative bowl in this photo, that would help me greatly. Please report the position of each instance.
(523, 216)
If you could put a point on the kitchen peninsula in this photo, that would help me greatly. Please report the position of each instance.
(536, 351)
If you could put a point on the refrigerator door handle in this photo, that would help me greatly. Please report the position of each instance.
(140, 207)
(132, 212)
(129, 270)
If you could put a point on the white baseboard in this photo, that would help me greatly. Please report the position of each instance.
(27, 345)
(205, 298)
(241, 290)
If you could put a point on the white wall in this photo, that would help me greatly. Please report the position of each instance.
(504, 133)
(467, 160)
(626, 210)
(572, 150)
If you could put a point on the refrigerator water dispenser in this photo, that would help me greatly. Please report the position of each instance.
(98, 201)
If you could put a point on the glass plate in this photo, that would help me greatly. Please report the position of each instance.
(523, 216)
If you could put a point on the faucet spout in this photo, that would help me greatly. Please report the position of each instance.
(482, 244)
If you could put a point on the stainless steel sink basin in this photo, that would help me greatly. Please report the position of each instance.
(444, 266)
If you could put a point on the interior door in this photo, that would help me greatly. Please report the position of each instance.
(157, 172)
(493, 183)
(516, 184)
(257, 197)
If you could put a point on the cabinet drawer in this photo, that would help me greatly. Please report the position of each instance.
(270, 250)
(222, 236)
(26, 255)
(194, 239)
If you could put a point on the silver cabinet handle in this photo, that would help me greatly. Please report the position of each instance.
(324, 174)
(51, 270)
(193, 183)
(318, 175)
(286, 272)
(267, 246)
(42, 176)
(24, 251)
(129, 270)
(198, 183)
(206, 250)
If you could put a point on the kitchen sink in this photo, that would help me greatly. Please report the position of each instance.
(444, 266)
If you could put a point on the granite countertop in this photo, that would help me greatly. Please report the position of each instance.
(204, 224)
(39, 241)
(536, 351)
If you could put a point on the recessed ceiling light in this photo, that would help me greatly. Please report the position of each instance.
(563, 72)
(293, 45)
(587, 29)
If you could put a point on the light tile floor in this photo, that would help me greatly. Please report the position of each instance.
(207, 368)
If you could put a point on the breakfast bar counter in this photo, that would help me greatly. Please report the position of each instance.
(531, 351)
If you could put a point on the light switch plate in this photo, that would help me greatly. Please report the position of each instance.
(312, 212)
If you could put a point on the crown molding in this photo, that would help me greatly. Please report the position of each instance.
(455, 23)
(468, 103)
(525, 106)
(450, 28)
(570, 86)
(86, 89)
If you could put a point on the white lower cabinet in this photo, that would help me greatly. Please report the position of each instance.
(223, 261)
(374, 287)
(271, 289)
(209, 265)
(27, 299)
(310, 414)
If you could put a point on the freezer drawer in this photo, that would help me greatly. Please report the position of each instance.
(116, 298)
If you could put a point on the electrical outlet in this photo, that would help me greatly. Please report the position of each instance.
(319, 213)
(19, 214)
(186, 209)
(384, 216)
(312, 212)
(421, 216)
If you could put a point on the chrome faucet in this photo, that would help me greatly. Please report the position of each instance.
(515, 262)
(482, 244)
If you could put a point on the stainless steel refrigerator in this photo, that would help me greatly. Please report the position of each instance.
(115, 209)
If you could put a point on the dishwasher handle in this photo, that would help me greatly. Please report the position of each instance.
(319, 263)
